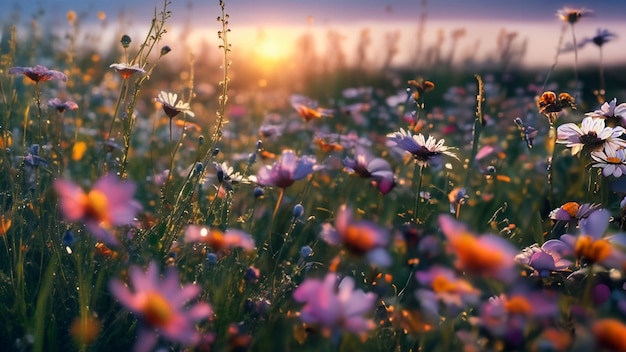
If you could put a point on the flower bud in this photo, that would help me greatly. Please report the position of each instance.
(164, 50)
(125, 41)
(306, 251)
(298, 210)
(211, 258)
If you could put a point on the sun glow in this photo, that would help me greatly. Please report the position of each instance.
(270, 50)
(271, 47)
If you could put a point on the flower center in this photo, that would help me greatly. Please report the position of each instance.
(595, 251)
(308, 113)
(359, 240)
(362, 171)
(518, 305)
(96, 205)
(424, 154)
(591, 140)
(216, 240)
(442, 284)
(609, 334)
(571, 208)
(170, 111)
(474, 257)
(613, 160)
(157, 310)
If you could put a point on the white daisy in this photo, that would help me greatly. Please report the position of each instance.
(615, 115)
(425, 151)
(172, 106)
(612, 162)
(227, 176)
(592, 135)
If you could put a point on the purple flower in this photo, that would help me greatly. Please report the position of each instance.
(62, 106)
(333, 307)
(362, 238)
(160, 306)
(602, 37)
(288, 169)
(571, 213)
(443, 286)
(509, 315)
(366, 165)
(547, 258)
(109, 203)
(38, 73)
(32, 158)
(615, 115)
(267, 131)
(592, 245)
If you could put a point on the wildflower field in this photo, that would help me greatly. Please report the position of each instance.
(320, 206)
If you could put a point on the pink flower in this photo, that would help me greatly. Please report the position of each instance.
(287, 170)
(109, 203)
(218, 240)
(160, 306)
(38, 73)
(335, 308)
(362, 238)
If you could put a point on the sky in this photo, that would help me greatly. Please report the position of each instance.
(333, 11)
(284, 20)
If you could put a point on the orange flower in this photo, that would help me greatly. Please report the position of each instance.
(307, 108)
(486, 255)
(5, 225)
(551, 106)
(610, 334)
(218, 240)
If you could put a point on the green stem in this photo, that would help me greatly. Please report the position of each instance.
(552, 135)
(38, 103)
(281, 195)
(41, 307)
(478, 126)
(418, 197)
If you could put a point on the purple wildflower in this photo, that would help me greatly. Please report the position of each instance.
(546, 259)
(443, 286)
(366, 165)
(38, 73)
(288, 169)
(333, 307)
(362, 238)
(62, 106)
